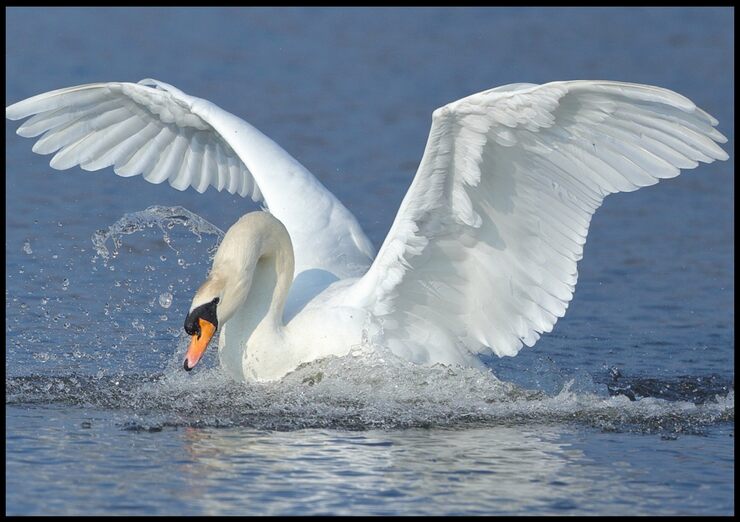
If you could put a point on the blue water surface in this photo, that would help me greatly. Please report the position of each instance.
(626, 408)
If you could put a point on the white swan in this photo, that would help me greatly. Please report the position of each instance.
(482, 253)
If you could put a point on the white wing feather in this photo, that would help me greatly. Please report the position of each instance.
(154, 129)
(484, 247)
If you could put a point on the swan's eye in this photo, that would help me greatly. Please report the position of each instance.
(207, 312)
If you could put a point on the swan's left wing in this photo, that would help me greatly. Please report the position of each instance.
(484, 247)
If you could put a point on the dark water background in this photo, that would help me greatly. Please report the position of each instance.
(627, 407)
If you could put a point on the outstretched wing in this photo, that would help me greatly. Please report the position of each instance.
(484, 247)
(152, 128)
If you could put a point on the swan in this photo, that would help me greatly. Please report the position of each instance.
(481, 256)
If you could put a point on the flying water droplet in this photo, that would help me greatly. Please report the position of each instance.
(165, 299)
(27, 247)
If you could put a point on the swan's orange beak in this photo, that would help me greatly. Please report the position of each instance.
(199, 343)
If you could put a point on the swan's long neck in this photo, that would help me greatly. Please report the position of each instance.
(271, 281)
(255, 265)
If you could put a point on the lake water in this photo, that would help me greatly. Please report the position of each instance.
(626, 408)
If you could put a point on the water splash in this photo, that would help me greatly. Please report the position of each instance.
(363, 391)
(165, 218)
(111, 315)
(165, 299)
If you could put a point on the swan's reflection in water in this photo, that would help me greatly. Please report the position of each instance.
(501, 470)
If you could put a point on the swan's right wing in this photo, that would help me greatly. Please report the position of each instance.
(137, 130)
(154, 129)
(483, 250)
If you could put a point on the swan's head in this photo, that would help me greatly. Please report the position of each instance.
(227, 287)
(201, 323)
(210, 308)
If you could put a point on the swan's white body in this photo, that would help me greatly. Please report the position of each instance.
(252, 275)
(482, 253)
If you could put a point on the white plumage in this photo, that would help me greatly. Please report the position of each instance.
(154, 129)
(482, 253)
